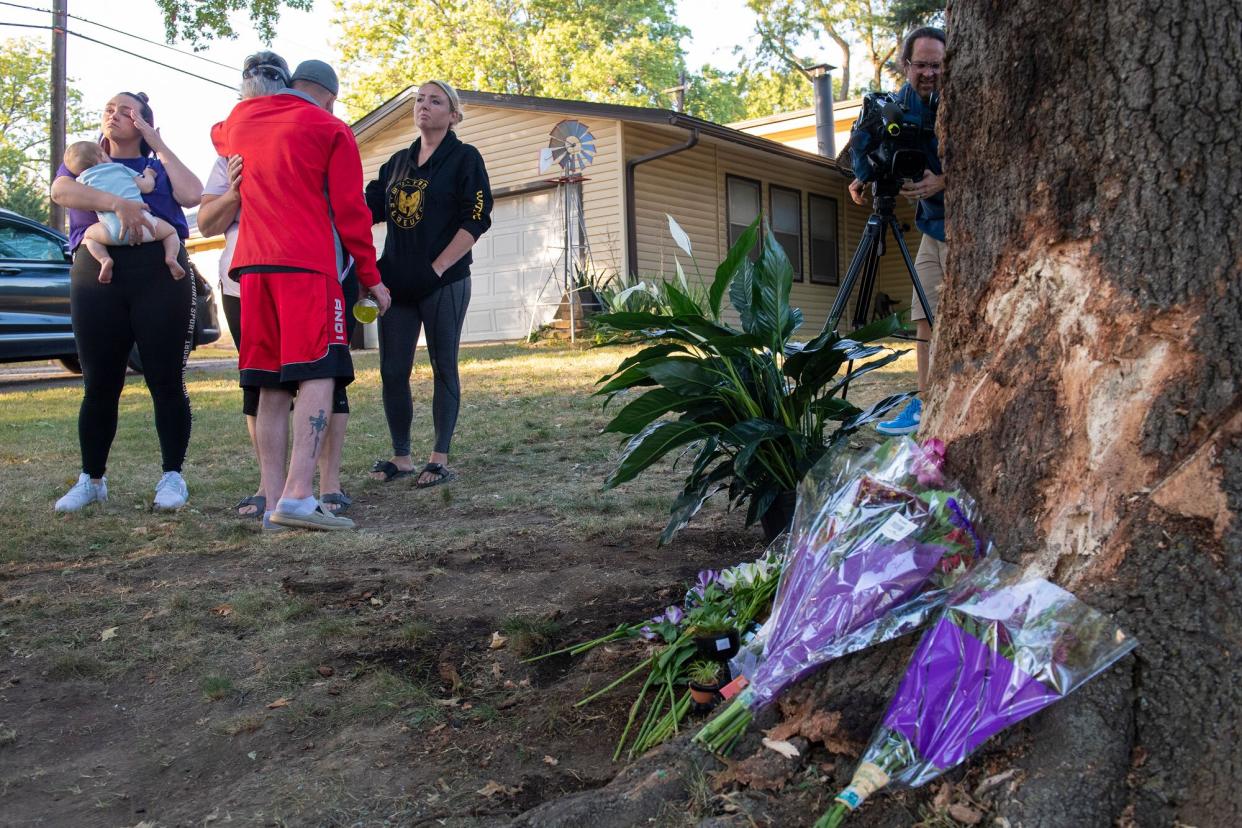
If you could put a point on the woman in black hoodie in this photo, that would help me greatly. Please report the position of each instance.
(436, 202)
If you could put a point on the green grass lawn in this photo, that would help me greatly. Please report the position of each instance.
(206, 633)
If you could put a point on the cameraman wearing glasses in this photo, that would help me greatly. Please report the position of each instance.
(922, 59)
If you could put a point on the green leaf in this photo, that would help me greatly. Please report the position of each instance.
(680, 303)
(650, 406)
(685, 376)
(879, 329)
(645, 355)
(655, 441)
(629, 378)
(866, 369)
(691, 500)
(773, 279)
(834, 408)
(735, 261)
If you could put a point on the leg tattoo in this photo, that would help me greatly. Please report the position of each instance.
(318, 424)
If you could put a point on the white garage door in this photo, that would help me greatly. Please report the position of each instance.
(512, 264)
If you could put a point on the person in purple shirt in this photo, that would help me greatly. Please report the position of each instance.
(142, 304)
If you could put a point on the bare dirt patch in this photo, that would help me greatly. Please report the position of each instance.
(189, 670)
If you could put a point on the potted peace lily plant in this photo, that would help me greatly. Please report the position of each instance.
(750, 404)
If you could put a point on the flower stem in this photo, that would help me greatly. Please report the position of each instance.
(833, 817)
(645, 664)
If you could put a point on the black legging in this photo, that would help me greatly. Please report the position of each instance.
(143, 304)
(250, 393)
(443, 313)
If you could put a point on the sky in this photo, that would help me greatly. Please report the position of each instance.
(186, 107)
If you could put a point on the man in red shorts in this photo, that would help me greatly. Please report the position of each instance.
(302, 176)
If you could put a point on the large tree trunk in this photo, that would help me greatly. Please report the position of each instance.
(1088, 382)
(1089, 370)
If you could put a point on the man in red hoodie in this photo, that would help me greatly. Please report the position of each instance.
(302, 177)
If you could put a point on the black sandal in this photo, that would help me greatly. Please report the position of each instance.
(442, 473)
(257, 501)
(340, 500)
(390, 471)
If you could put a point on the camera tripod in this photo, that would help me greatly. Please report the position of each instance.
(866, 264)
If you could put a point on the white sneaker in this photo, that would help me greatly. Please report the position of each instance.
(83, 493)
(171, 492)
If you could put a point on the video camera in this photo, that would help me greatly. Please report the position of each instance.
(897, 138)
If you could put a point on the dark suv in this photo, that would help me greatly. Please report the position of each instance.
(34, 296)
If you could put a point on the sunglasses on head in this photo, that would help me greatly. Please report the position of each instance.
(269, 72)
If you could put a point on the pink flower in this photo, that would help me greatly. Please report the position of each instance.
(928, 468)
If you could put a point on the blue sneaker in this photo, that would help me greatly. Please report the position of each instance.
(907, 422)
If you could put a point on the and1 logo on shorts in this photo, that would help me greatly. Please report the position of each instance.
(405, 202)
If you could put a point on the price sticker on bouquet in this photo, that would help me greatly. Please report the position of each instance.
(897, 527)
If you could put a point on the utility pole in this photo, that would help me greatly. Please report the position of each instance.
(60, 21)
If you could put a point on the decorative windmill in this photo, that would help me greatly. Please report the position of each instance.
(570, 150)
(572, 147)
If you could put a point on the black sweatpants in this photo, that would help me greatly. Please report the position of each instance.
(143, 304)
(250, 393)
(443, 314)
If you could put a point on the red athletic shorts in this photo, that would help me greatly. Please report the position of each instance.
(295, 329)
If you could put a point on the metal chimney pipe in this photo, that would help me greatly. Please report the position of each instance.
(825, 127)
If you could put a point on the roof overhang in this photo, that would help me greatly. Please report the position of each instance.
(381, 115)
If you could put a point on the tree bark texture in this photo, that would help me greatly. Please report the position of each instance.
(1088, 383)
(1088, 372)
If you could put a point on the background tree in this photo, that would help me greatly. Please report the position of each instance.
(25, 129)
(753, 91)
(905, 15)
(786, 26)
(621, 52)
(197, 21)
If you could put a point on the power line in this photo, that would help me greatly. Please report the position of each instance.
(122, 50)
(127, 34)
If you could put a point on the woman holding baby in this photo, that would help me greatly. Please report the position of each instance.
(125, 289)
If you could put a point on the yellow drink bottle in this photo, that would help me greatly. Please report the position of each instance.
(365, 310)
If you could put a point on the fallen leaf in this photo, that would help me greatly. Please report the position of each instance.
(965, 814)
(551, 760)
(223, 610)
(496, 670)
(108, 634)
(944, 795)
(492, 788)
(782, 747)
(816, 726)
(497, 641)
(994, 781)
(281, 702)
(324, 670)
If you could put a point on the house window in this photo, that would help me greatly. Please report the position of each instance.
(787, 225)
(824, 258)
(742, 203)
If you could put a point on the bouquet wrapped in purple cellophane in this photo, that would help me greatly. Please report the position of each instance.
(1003, 649)
(878, 541)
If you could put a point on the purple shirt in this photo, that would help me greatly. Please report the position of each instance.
(160, 201)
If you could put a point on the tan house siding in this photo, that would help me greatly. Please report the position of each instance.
(683, 186)
(509, 141)
(691, 186)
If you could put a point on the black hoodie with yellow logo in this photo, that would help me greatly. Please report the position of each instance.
(424, 207)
